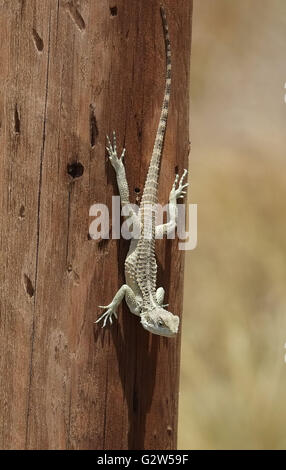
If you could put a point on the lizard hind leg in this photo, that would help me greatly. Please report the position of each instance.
(160, 294)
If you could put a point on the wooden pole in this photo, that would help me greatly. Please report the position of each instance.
(70, 73)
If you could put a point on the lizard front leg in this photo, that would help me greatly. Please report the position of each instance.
(131, 300)
(176, 193)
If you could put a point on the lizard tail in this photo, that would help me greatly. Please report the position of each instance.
(151, 186)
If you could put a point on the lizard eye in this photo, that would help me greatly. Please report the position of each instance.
(160, 323)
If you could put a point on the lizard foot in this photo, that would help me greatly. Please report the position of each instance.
(180, 191)
(116, 162)
(107, 315)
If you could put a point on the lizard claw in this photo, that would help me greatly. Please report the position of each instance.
(111, 148)
(179, 192)
(107, 315)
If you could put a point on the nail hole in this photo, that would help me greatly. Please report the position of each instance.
(22, 212)
(17, 120)
(29, 286)
(38, 41)
(169, 430)
(75, 170)
(102, 244)
(76, 16)
(93, 126)
(113, 11)
(139, 130)
(73, 274)
(137, 190)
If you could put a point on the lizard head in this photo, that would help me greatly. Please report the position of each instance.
(160, 322)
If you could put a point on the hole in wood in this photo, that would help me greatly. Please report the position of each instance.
(113, 11)
(38, 41)
(76, 16)
(17, 121)
(29, 286)
(169, 430)
(137, 190)
(102, 244)
(93, 126)
(22, 212)
(75, 170)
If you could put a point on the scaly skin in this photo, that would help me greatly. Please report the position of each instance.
(141, 295)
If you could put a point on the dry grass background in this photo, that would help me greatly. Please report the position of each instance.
(233, 378)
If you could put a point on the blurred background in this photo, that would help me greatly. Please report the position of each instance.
(233, 375)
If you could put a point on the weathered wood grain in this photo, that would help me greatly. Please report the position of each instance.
(70, 73)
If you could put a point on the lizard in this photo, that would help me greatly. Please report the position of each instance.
(140, 293)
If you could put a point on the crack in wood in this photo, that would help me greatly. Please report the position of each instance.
(39, 43)
(22, 212)
(93, 126)
(29, 286)
(68, 222)
(17, 122)
(75, 15)
(38, 235)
